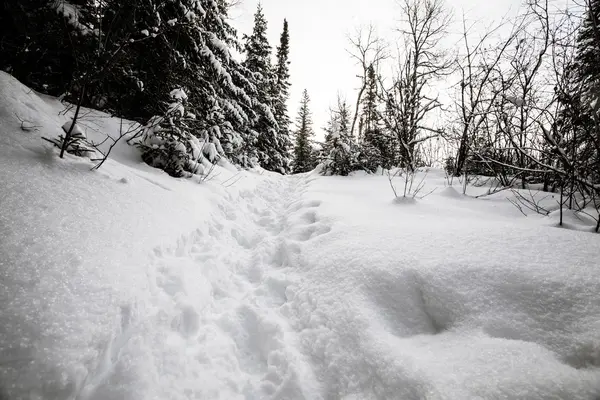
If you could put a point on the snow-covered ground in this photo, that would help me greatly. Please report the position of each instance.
(124, 283)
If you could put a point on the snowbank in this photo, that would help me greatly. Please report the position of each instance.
(437, 301)
(75, 245)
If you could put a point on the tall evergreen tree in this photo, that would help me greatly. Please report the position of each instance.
(186, 44)
(340, 147)
(39, 39)
(376, 145)
(271, 154)
(581, 100)
(281, 90)
(370, 115)
(588, 49)
(128, 57)
(303, 160)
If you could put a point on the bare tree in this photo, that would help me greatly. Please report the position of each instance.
(544, 127)
(525, 101)
(481, 84)
(368, 51)
(421, 61)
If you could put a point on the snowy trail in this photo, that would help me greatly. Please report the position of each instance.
(297, 287)
(271, 300)
(218, 330)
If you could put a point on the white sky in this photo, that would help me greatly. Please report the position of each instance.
(318, 40)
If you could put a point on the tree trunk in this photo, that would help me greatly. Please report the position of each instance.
(68, 134)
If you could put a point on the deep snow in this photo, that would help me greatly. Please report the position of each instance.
(124, 283)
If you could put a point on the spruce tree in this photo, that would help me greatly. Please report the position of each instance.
(303, 159)
(376, 145)
(196, 41)
(40, 38)
(342, 157)
(281, 90)
(581, 100)
(185, 44)
(130, 56)
(258, 61)
(588, 49)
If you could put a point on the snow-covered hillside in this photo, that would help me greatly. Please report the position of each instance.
(124, 283)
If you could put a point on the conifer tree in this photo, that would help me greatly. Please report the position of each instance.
(39, 39)
(342, 157)
(376, 145)
(271, 152)
(303, 160)
(588, 48)
(581, 100)
(126, 57)
(281, 90)
(185, 44)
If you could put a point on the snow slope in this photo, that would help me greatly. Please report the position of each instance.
(124, 283)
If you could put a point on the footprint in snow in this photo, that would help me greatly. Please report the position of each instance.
(310, 217)
(228, 212)
(187, 322)
(242, 240)
(272, 293)
(312, 232)
(170, 284)
(299, 205)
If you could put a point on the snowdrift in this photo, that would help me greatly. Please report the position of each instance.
(124, 283)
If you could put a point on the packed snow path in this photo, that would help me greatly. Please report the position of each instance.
(220, 330)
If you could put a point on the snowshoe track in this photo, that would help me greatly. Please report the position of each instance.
(218, 328)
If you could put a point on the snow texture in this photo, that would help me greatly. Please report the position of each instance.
(76, 131)
(124, 283)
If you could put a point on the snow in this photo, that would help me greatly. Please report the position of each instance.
(124, 283)
(178, 94)
(76, 131)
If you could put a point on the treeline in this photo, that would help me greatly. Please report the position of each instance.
(388, 125)
(168, 65)
(523, 105)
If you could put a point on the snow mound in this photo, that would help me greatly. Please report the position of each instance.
(451, 192)
(405, 200)
(573, 219)
(431, 302)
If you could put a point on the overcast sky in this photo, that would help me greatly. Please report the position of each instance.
(318, 40)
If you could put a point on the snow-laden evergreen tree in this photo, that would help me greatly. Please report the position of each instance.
(272, 153)
(185, 43)
(40, 40)
(303, 151)
(376, 145)
(581, 102)
(167, 141)
(588, 49)
(126, 58)
(281, 89)
(342, 157)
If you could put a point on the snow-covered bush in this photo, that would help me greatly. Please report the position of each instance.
(168, 141)
(449, 165)
(343, 157)
(77, 143)
(369, 157)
